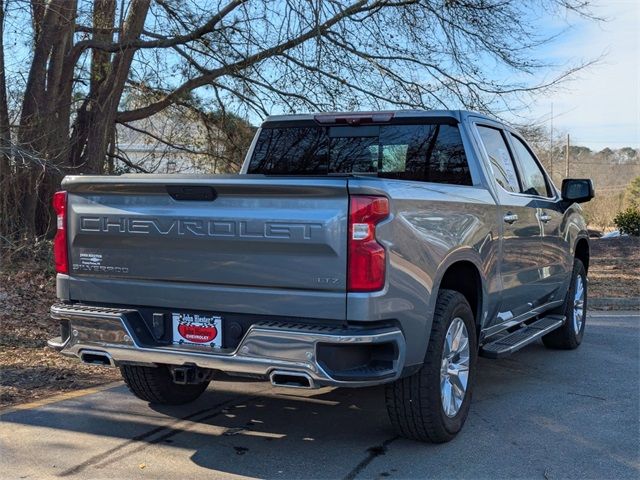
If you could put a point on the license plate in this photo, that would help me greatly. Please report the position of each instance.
(197, 329)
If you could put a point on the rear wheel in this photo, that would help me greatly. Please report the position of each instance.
(155, 385)
(432, 404)
(569, 336)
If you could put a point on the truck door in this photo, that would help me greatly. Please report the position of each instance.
(554, 255)
(522, 231)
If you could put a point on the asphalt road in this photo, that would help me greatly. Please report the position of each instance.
(540, 414)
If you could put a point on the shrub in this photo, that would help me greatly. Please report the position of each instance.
(632, 195)
(628, 221)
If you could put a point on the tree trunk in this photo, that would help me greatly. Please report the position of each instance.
(43, 136)
(59, 90)
(95, 123)
(7, 213)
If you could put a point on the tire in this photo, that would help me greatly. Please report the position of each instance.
(569, 335)
(414, 403)
(155, 385)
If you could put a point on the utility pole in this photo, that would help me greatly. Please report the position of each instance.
(551, 144)
(566, 174)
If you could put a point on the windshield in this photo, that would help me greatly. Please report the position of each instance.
(431, 153)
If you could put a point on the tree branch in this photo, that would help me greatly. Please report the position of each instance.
(163, 141)
(161, 42)
(128, 162)
(212, 75)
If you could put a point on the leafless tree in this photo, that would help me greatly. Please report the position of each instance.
(251, 57)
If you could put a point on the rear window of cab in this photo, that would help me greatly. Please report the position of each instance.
(422, 152)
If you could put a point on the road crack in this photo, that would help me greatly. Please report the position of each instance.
(587, 396)
(373, 453)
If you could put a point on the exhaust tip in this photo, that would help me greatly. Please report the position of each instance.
(291, 379)
(91, 357)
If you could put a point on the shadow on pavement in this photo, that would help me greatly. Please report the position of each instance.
(246, 429)
(530, 413)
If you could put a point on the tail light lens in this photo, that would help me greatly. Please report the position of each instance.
(60, 253)
(367, 258)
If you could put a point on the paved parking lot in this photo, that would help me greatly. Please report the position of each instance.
(540, 414)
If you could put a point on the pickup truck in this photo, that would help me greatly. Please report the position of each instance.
(353, 249)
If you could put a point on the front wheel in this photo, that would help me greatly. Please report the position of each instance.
(569, 335)
(432, 404)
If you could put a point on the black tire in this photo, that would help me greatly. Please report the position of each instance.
(414, 403)
(155, 385)
(566, 337)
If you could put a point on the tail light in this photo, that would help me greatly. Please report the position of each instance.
(367, 258)
(60, 253)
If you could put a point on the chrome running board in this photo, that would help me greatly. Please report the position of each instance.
(522, 337)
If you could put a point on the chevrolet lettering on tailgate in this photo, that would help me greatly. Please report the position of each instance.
(199, 227)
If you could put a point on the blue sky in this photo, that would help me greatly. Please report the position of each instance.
(600, 107)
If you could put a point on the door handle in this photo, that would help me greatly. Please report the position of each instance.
(544, 217)
(510, 218)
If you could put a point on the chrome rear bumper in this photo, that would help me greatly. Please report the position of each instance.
(265, 348)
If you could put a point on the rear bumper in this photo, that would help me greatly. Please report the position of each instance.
(266, 347)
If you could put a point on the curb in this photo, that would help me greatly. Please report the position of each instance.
(615, 303)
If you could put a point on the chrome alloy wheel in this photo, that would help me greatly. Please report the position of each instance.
(454, 369)
(578, 305)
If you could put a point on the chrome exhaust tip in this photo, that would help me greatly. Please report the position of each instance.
(281, 378)
(95, 357)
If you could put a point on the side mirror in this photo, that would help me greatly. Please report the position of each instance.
(577, 190)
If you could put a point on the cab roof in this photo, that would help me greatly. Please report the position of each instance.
(378, 116)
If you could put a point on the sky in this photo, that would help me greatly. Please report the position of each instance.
(600, 107)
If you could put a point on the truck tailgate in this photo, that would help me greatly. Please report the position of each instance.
(248, 231)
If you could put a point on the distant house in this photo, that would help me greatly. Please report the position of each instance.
(171, 142)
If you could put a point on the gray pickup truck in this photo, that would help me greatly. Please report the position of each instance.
(354, 249)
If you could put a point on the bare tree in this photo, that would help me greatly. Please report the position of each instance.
(7, 192)
(251, 57)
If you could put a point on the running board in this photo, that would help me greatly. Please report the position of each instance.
(522, 337)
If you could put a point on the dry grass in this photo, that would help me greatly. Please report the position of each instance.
(615, 268)
(28, 368)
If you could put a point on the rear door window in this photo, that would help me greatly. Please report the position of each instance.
(502, 166)
(425, 152)
(533, 180)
